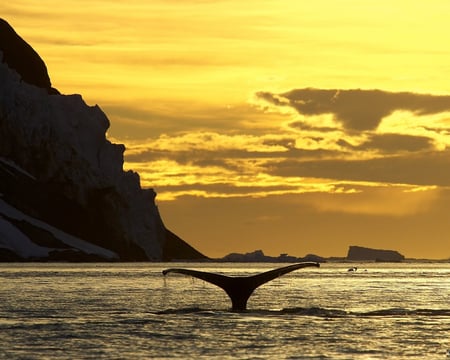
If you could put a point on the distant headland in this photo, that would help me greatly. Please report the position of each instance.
(259, 256)
(354, 253)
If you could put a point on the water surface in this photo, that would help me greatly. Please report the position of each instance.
(131, 311)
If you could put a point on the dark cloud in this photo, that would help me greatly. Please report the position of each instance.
(426, 168)
(288, 143)
(301, 125)
(224, 158)
(229, 189)
(392, 143)
(357, 109)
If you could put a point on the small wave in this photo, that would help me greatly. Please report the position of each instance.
(314, 311)
(391, 312)
(181, 311)
(408, 312)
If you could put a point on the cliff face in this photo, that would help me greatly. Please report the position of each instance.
(359, 253)
(58, 168)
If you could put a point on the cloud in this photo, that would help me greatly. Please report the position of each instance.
(422, 169)
(218, 153)
(304, 126)
(357, 109)
(223, 165)
(394, 143)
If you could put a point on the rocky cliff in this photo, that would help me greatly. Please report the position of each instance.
(63, 192)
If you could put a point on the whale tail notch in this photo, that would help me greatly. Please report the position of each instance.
(240, 288)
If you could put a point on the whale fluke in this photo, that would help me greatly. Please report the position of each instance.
(239, 288)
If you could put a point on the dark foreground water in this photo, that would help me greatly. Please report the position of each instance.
(130, 311)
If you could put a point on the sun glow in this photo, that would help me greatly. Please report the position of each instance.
(336, 108)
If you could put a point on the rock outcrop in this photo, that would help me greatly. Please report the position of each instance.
(63, 176)
(259, 256)
(21, 57)
(358, 253)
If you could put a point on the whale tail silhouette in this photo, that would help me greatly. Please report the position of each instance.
(240, 288)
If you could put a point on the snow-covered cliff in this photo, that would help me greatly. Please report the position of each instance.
(58, 168)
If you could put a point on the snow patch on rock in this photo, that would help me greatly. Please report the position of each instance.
(13, 239)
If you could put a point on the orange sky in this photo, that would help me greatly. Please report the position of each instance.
(287, 126)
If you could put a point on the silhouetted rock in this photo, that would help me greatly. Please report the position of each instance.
(358, 253)
(175, 249)
(63, 191)
(259, 256)
(21, 57)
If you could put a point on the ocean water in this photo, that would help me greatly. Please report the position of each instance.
(131, 311)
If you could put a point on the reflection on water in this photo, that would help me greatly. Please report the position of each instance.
(62, 311)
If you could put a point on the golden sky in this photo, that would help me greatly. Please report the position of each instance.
(288, 126)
